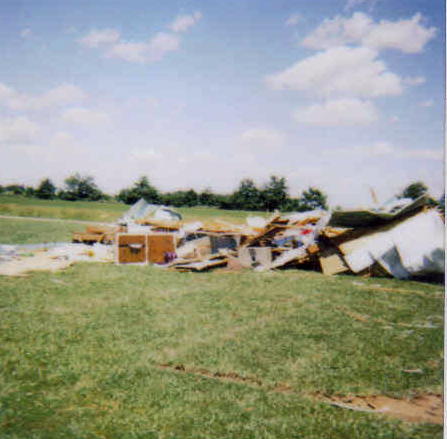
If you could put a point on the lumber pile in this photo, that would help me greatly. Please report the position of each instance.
(97, 234)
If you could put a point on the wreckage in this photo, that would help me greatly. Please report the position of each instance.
(404, 239)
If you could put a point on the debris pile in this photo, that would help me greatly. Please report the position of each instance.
(103, 234)
(403, 238)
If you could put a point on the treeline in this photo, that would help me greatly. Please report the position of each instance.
(76, 187)
(272, 195)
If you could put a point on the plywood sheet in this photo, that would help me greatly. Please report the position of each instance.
(132, 249)
(332, 263)
(158, 246)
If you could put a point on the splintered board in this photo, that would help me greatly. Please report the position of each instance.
(158, 246)
(132, 249)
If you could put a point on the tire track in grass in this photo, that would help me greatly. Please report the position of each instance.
(423, 408)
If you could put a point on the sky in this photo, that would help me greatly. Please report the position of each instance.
(343, 95)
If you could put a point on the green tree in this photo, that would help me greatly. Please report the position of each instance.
(30, 191)
(247, 196)
(275, 193)
(141, 189)
(191, 198)
(16, 189)
(187, 198)
(207, 198)
(312, 199)
(46, 190)
(414, 190)
(79, 187)
(223, 201)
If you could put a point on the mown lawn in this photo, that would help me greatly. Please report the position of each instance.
(80, 210)
(26, 231)
(105, 351)
(107, 211)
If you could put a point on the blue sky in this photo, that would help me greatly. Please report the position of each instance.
(344, 95)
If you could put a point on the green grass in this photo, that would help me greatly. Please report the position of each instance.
(108, 211)
(26, 231)
(80, 210)
(82, 351)
(211, 213)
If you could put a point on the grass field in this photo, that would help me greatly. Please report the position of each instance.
(105, 351)
(27, 231)
(108, 211)
(126, 352)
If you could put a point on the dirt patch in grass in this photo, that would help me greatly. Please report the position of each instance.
(232, 377)
(425, 408)
(223, 376)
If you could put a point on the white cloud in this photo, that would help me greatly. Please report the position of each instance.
(350, 4)
(6, 93)
(25, 32)
(148, 51)
(144, 154)
(339, 31)
(183, 22)
(20, 129)
(339, 71)
(390, 151)
(378, 149)
(132, 52)
(341, 112)
(161, 44)
(63, 142)
(408, 36)
(414, 80)
(61, 95)
(428, 154)
(153, 50)
(262, 138)
(293, 20)
(427, 104)
(97, 38)
(85, 117)
(383, 148)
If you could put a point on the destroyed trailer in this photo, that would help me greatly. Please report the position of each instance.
(403, 238)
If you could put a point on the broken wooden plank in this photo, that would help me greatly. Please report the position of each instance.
(201, 266)
(331, 262)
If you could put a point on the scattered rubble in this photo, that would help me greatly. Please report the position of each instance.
(402, 239)
(21, 259)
